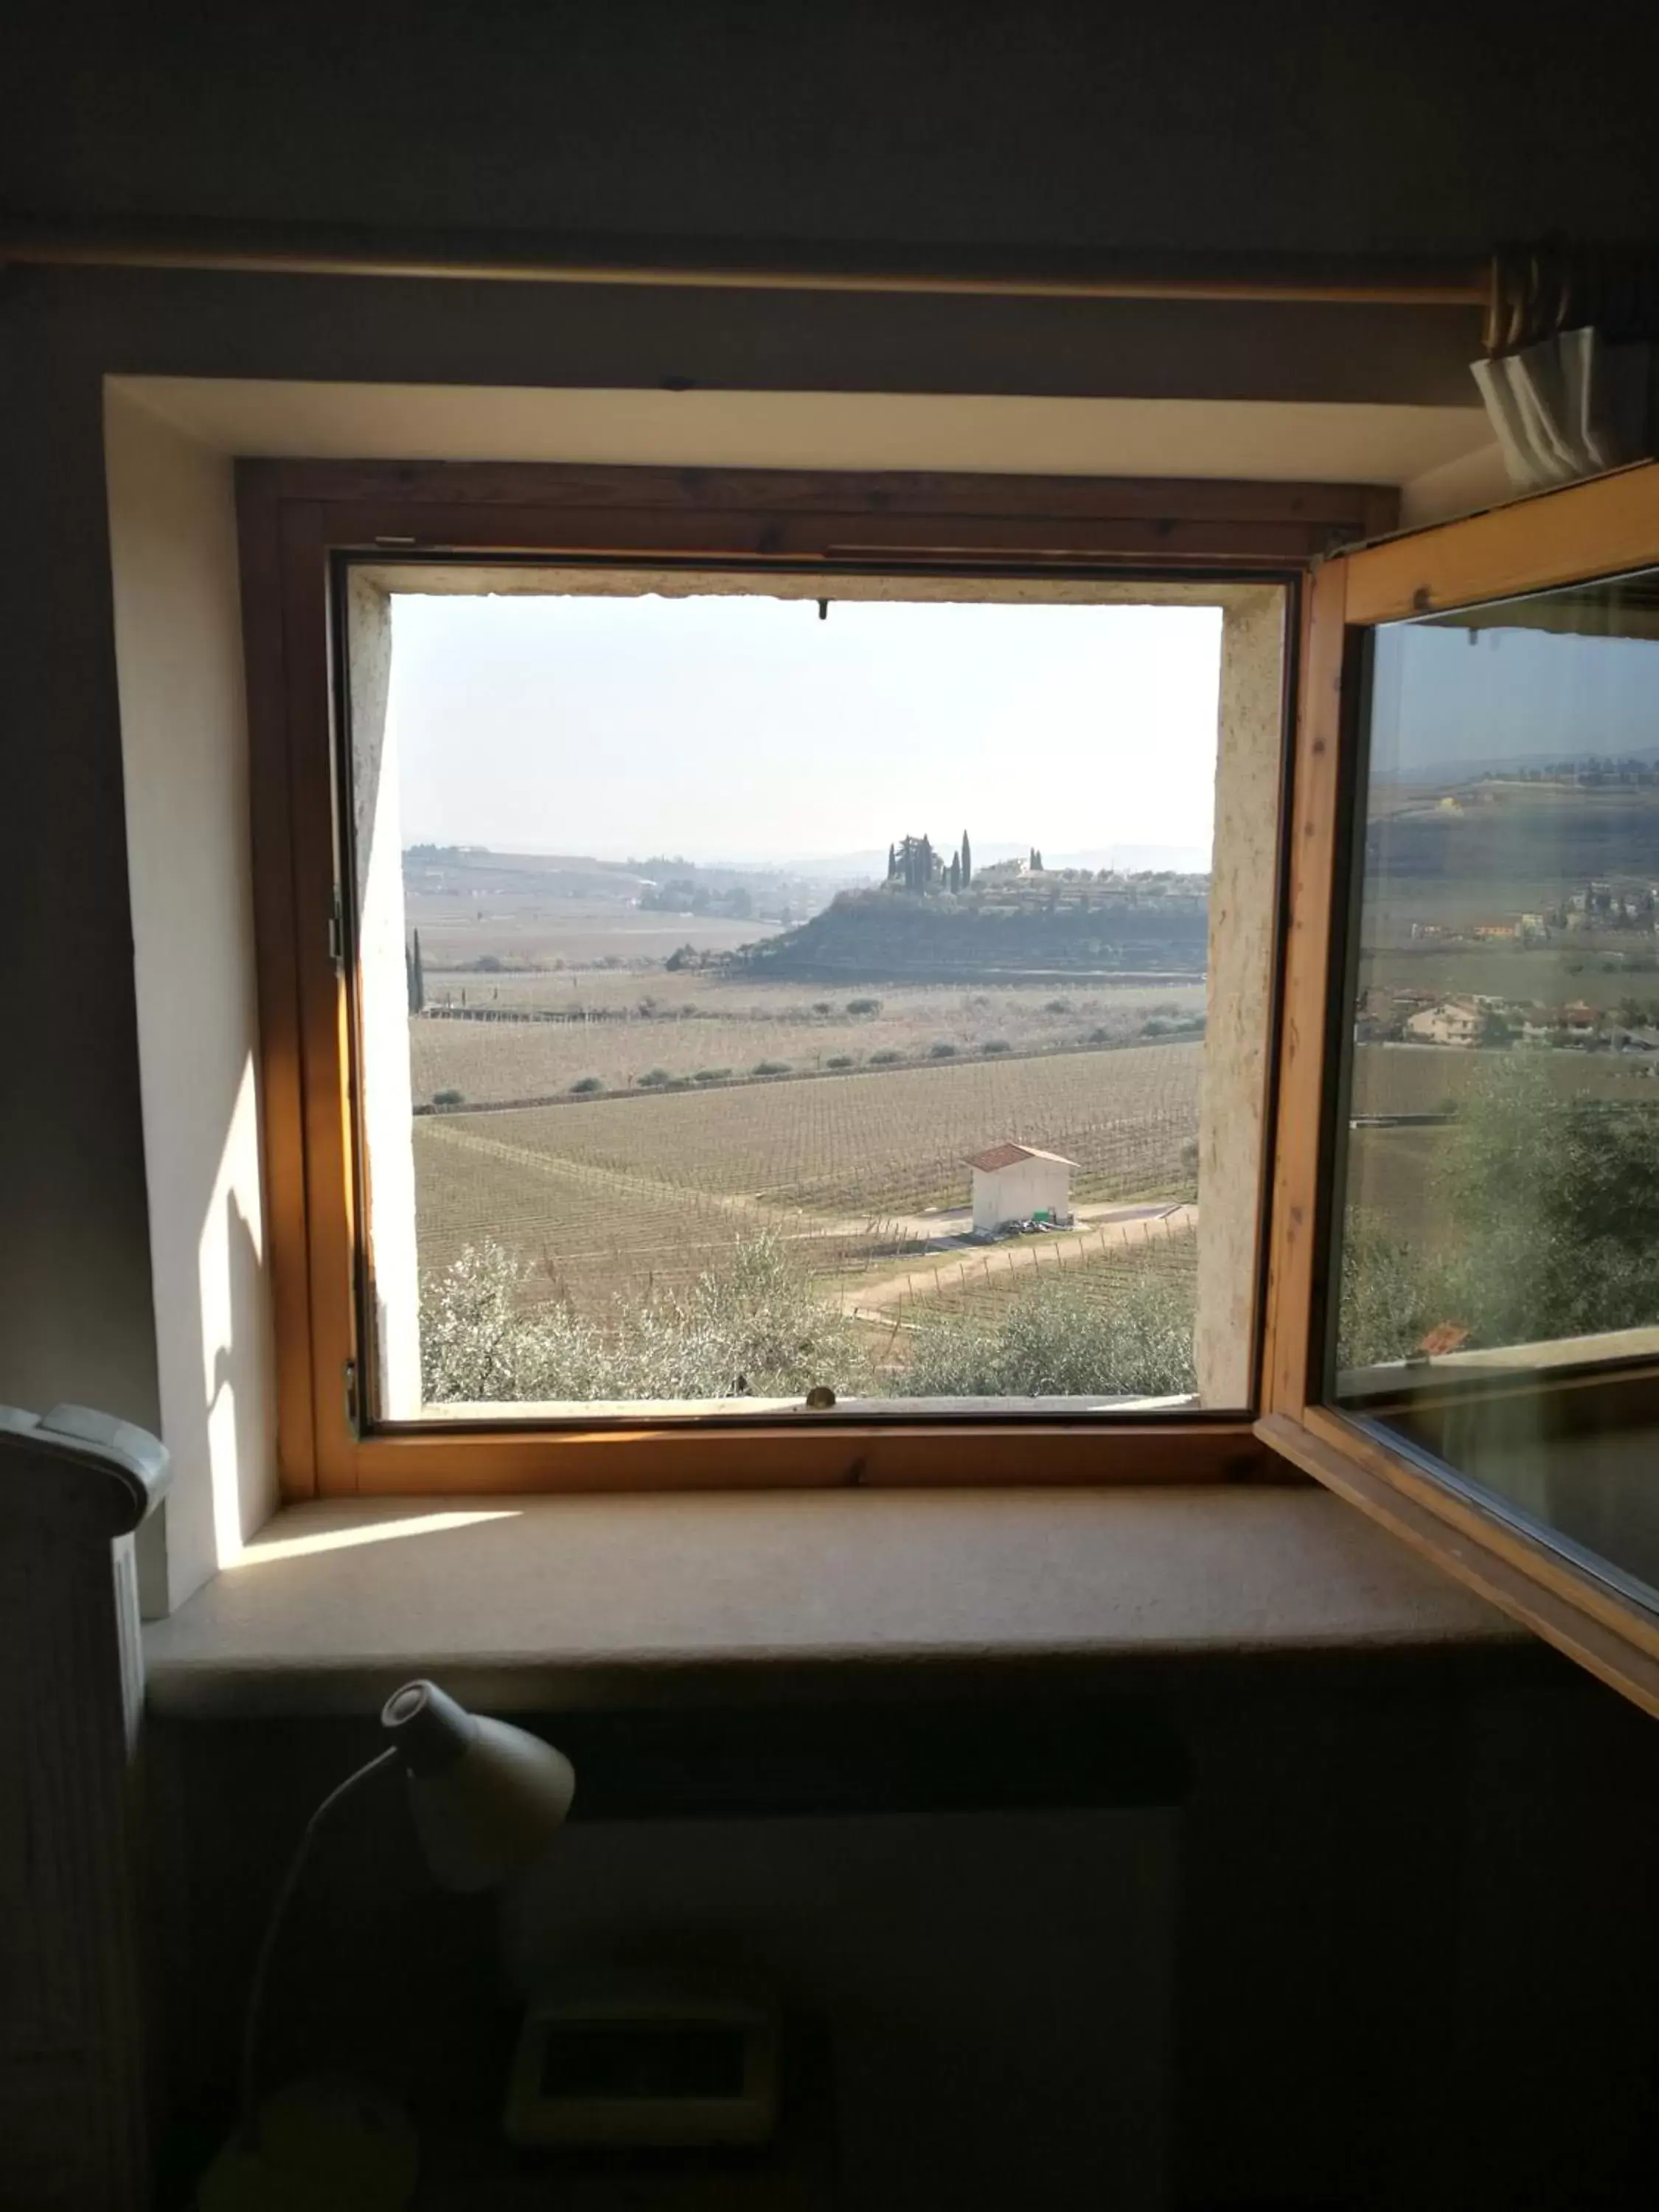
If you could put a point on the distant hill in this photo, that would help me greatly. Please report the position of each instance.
(476, 872)
(869, 865)
(665, 884)
(1498, 845)
(1033, 927)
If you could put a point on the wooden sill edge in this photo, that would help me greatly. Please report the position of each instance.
(1496, 1576)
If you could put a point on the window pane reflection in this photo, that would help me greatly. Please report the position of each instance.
(1497, 1277)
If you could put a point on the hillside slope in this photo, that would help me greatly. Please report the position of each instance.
(1162, 924)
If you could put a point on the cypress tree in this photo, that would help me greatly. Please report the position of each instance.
(416, 977)
(967, 861)
(956, 871)
(892, 864)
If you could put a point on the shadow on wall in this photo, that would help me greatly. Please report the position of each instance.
(235, 1415)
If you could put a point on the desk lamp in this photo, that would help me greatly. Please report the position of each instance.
(487, 1800)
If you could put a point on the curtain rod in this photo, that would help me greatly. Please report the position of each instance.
(267, 250)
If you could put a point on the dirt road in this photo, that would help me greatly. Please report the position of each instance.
(875, 1301)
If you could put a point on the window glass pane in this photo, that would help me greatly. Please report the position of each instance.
(1499, 1280)
(755, 999)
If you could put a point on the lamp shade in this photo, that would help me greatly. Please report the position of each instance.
(487, 1799)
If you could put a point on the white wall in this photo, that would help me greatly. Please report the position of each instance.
(998, 1985)
(383, 1006)
(179, 654)
(1014, 1194)
(1237, 1038)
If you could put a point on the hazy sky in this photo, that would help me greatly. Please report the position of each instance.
(727, 728)
(1448, 698)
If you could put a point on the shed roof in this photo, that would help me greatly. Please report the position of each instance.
(1010, 1156)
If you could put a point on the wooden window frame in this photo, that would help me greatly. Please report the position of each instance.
(1606, 527)
(296, 519)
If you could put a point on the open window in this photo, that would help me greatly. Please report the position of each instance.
(1466, 1318)
(675, 1093)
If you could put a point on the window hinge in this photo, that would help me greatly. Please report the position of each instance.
(351, 1379)
(336, 930)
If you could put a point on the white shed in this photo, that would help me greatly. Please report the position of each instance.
(1013, 1182)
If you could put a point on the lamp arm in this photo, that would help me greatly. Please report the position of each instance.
(253, 2021)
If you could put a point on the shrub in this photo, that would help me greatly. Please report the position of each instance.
(585, 1085)
(864, 1006)
(771, 1068)
(711, 1075)
(753, 1324)
(823, 1006)
(996, 1044)
(1173, 1025)
(1098, 1036)
(1054, 1341)
(1553, 1204)
(1390, 1296)
(1056, 1005)
(941, 1051)
(654, 1079)
(839, 1059)
(1556, 1201)
(885, 1058)
(449, 1098)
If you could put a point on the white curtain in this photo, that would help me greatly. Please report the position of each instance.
(1569, 406)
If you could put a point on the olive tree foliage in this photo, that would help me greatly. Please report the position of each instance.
(751, 1326)
(1392, 1294)
(1056, 1341)
(755, 1324)
(1548, 1207)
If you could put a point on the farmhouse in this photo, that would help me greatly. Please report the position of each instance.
(1454, 1021)
(1011, 1182)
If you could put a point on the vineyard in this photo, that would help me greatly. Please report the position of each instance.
(724, 1032)
(1422, 1078)
(1095, 1264)
(605, 1197)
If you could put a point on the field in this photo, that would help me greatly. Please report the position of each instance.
(455, 936)
(1095, 1267)
(1601, 969)
(621, 1127)
(606, 1196)
(1427, 1079)
(685, 1024)
(1391, 1171)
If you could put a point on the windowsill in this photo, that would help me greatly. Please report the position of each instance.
(554, 1604)
(1609, 1348)
(581, 1413)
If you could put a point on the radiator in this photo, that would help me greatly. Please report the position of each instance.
(75, 2056)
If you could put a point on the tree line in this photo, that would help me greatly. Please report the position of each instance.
(913, 866)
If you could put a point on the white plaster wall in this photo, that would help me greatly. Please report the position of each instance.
(1015, 1193)
(179, 652)
(1238, 1003)
(1294, 440)
(383, 1006)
